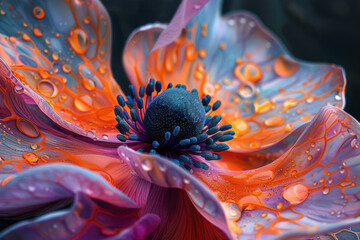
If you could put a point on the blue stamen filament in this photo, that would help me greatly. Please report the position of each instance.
(141, 124)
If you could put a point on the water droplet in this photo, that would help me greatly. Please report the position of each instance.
(47, 88)
(27, 128)
(37, 32)
(31, 158)
(246, 91)
(274, 121)
(89, 84)
(248, 72)
(38, 12)
(87, 19)
(296, 193)
(34, 146)
(279, 205)
(105, 137)
(19, 89)
(312, 145)
(264, 214)
(55, 56)
(79, 40)
(309, 157)
(325, 190)
(232, 211)
(197, 6)
(146, 165)
(66, 68)
(240, 126)
(262, 105)
(284, 67)
(83, 103)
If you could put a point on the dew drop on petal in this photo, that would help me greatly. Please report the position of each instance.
(47, 88)
(31, 157)
(79, 40)
(326, 190)
(146, 165)
(38, 12)
(89, 84)
(19, 89)
(296, 193)
(83, 103)
(27, 128)
(232, 211)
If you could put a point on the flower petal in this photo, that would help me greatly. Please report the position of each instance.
(266, 94)
(164, 173)
(60, 52)
(28, 138)
(186, 10)
(97, 211)
(311, 189)
(179, 217)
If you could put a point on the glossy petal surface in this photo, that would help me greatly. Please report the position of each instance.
(186, 10)
(312, 188)
(60, 51)
(265, 92)
(97, 211)
(164, 173)
(29, 138)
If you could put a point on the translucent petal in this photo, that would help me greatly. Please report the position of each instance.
(60, 52)
(184, 13)
(164, 173)
(266, 94)
(312, 188)
(97, 210)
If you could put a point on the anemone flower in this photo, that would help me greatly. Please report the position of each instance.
(79, 160)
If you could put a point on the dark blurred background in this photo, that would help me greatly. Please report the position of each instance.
(313, 30)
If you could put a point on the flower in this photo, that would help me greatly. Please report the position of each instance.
(58, 96)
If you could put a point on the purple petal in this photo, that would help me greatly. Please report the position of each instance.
(311, 189)
(162, 172)
(98, 210)
(186, 10)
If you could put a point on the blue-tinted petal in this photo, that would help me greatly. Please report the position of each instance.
(266, 94)
(60, 52)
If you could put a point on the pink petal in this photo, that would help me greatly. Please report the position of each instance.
(99, 211)
(186, 11)
(162, 172)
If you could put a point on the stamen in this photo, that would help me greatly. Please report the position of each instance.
(173, 123)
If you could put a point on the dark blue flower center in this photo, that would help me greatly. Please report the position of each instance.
(173, 123)
(175, 107)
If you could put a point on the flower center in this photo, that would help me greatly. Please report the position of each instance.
(175, 107)
(174, 123)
